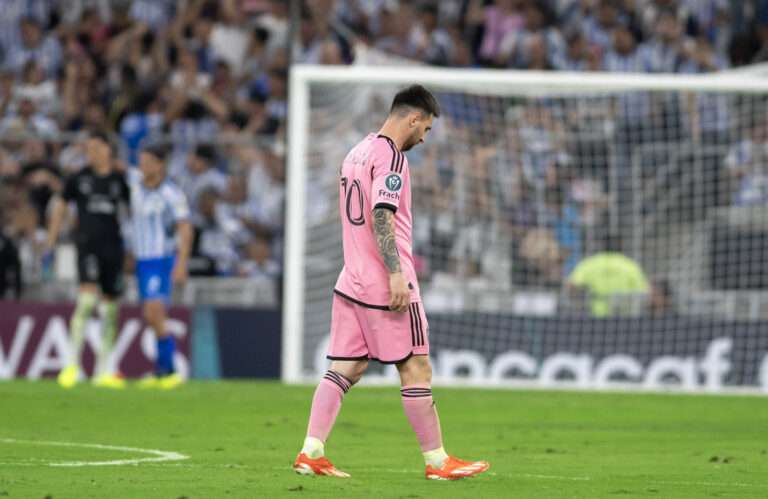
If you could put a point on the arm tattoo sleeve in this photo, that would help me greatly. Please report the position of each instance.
(385, 237)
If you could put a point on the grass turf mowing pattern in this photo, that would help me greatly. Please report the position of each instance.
(243, 436)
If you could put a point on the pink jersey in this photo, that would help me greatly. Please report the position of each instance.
(374, 175)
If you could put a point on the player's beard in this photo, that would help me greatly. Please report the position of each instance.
(410, 142)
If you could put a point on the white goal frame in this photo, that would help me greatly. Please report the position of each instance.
(484, 81)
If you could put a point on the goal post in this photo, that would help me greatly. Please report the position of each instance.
(545, 170)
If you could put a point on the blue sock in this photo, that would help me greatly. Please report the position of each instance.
(166, 346)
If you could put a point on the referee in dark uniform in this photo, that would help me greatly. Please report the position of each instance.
(99, 192)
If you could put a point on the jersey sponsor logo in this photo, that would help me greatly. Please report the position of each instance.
(393, 182)
(389, 195)
(152, 205)
(101, 205)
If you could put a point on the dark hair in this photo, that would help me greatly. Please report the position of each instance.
(30, 19)
(417, 97)
(429, 9)
(206, 152)
(156, 149)
(102, 136)
(238, 118)
(261, 34)
(143, 100)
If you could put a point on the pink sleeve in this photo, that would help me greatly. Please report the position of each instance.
(387, 177)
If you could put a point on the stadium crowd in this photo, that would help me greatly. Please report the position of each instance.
(210, 78)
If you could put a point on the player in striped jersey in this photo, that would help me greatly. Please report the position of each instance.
(161, 240)
(377, 313)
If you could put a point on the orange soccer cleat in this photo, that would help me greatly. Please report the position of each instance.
(305, 465)
(454, 469)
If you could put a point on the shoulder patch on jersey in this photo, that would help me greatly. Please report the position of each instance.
(393, 182)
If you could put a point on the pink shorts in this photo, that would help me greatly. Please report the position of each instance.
(362, 332)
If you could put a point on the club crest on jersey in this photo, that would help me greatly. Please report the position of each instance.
(114, 189)
(393, 182)
(85, 186)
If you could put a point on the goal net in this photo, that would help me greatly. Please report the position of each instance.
(570, 230)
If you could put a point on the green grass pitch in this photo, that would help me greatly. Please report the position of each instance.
(241, 438)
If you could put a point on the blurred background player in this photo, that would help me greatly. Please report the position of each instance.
(377, 311)
(162, 237)
(98, 191)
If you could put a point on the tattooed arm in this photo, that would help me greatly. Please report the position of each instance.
(384, 230)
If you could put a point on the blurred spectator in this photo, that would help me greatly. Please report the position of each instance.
(498, 19)
(434, 45)
(541, 142)
(702, 58)
(198, 175)
(542, 257)
(399, 33)
(27, 120)
(623, 55)
(319, 43)
(667, 48)
(229, 35)
(598, 25)
(256, 55)
(708, 117)
(143, 119)
(574, 57)
(153, 13)
(277, 103)
(28, 233)
(36, 88)
(34, 45)
(41, 180)
(563, 217)
(258, 261)
(10, 269)
(216, 233)
(746, 165)
(247, 210)
(535, 46)
(13, 12)
(189, 79)
(661, 299)
(266, 186)
(605, 276)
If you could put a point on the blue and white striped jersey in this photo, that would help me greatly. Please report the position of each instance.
(154, 215)
(155, 13)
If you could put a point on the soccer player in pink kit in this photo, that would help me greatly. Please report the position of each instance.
(377, 312)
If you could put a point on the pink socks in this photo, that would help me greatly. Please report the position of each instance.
(326, 404)
(421, 413)
(417, 404)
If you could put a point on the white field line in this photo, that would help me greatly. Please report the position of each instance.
(157, 456)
